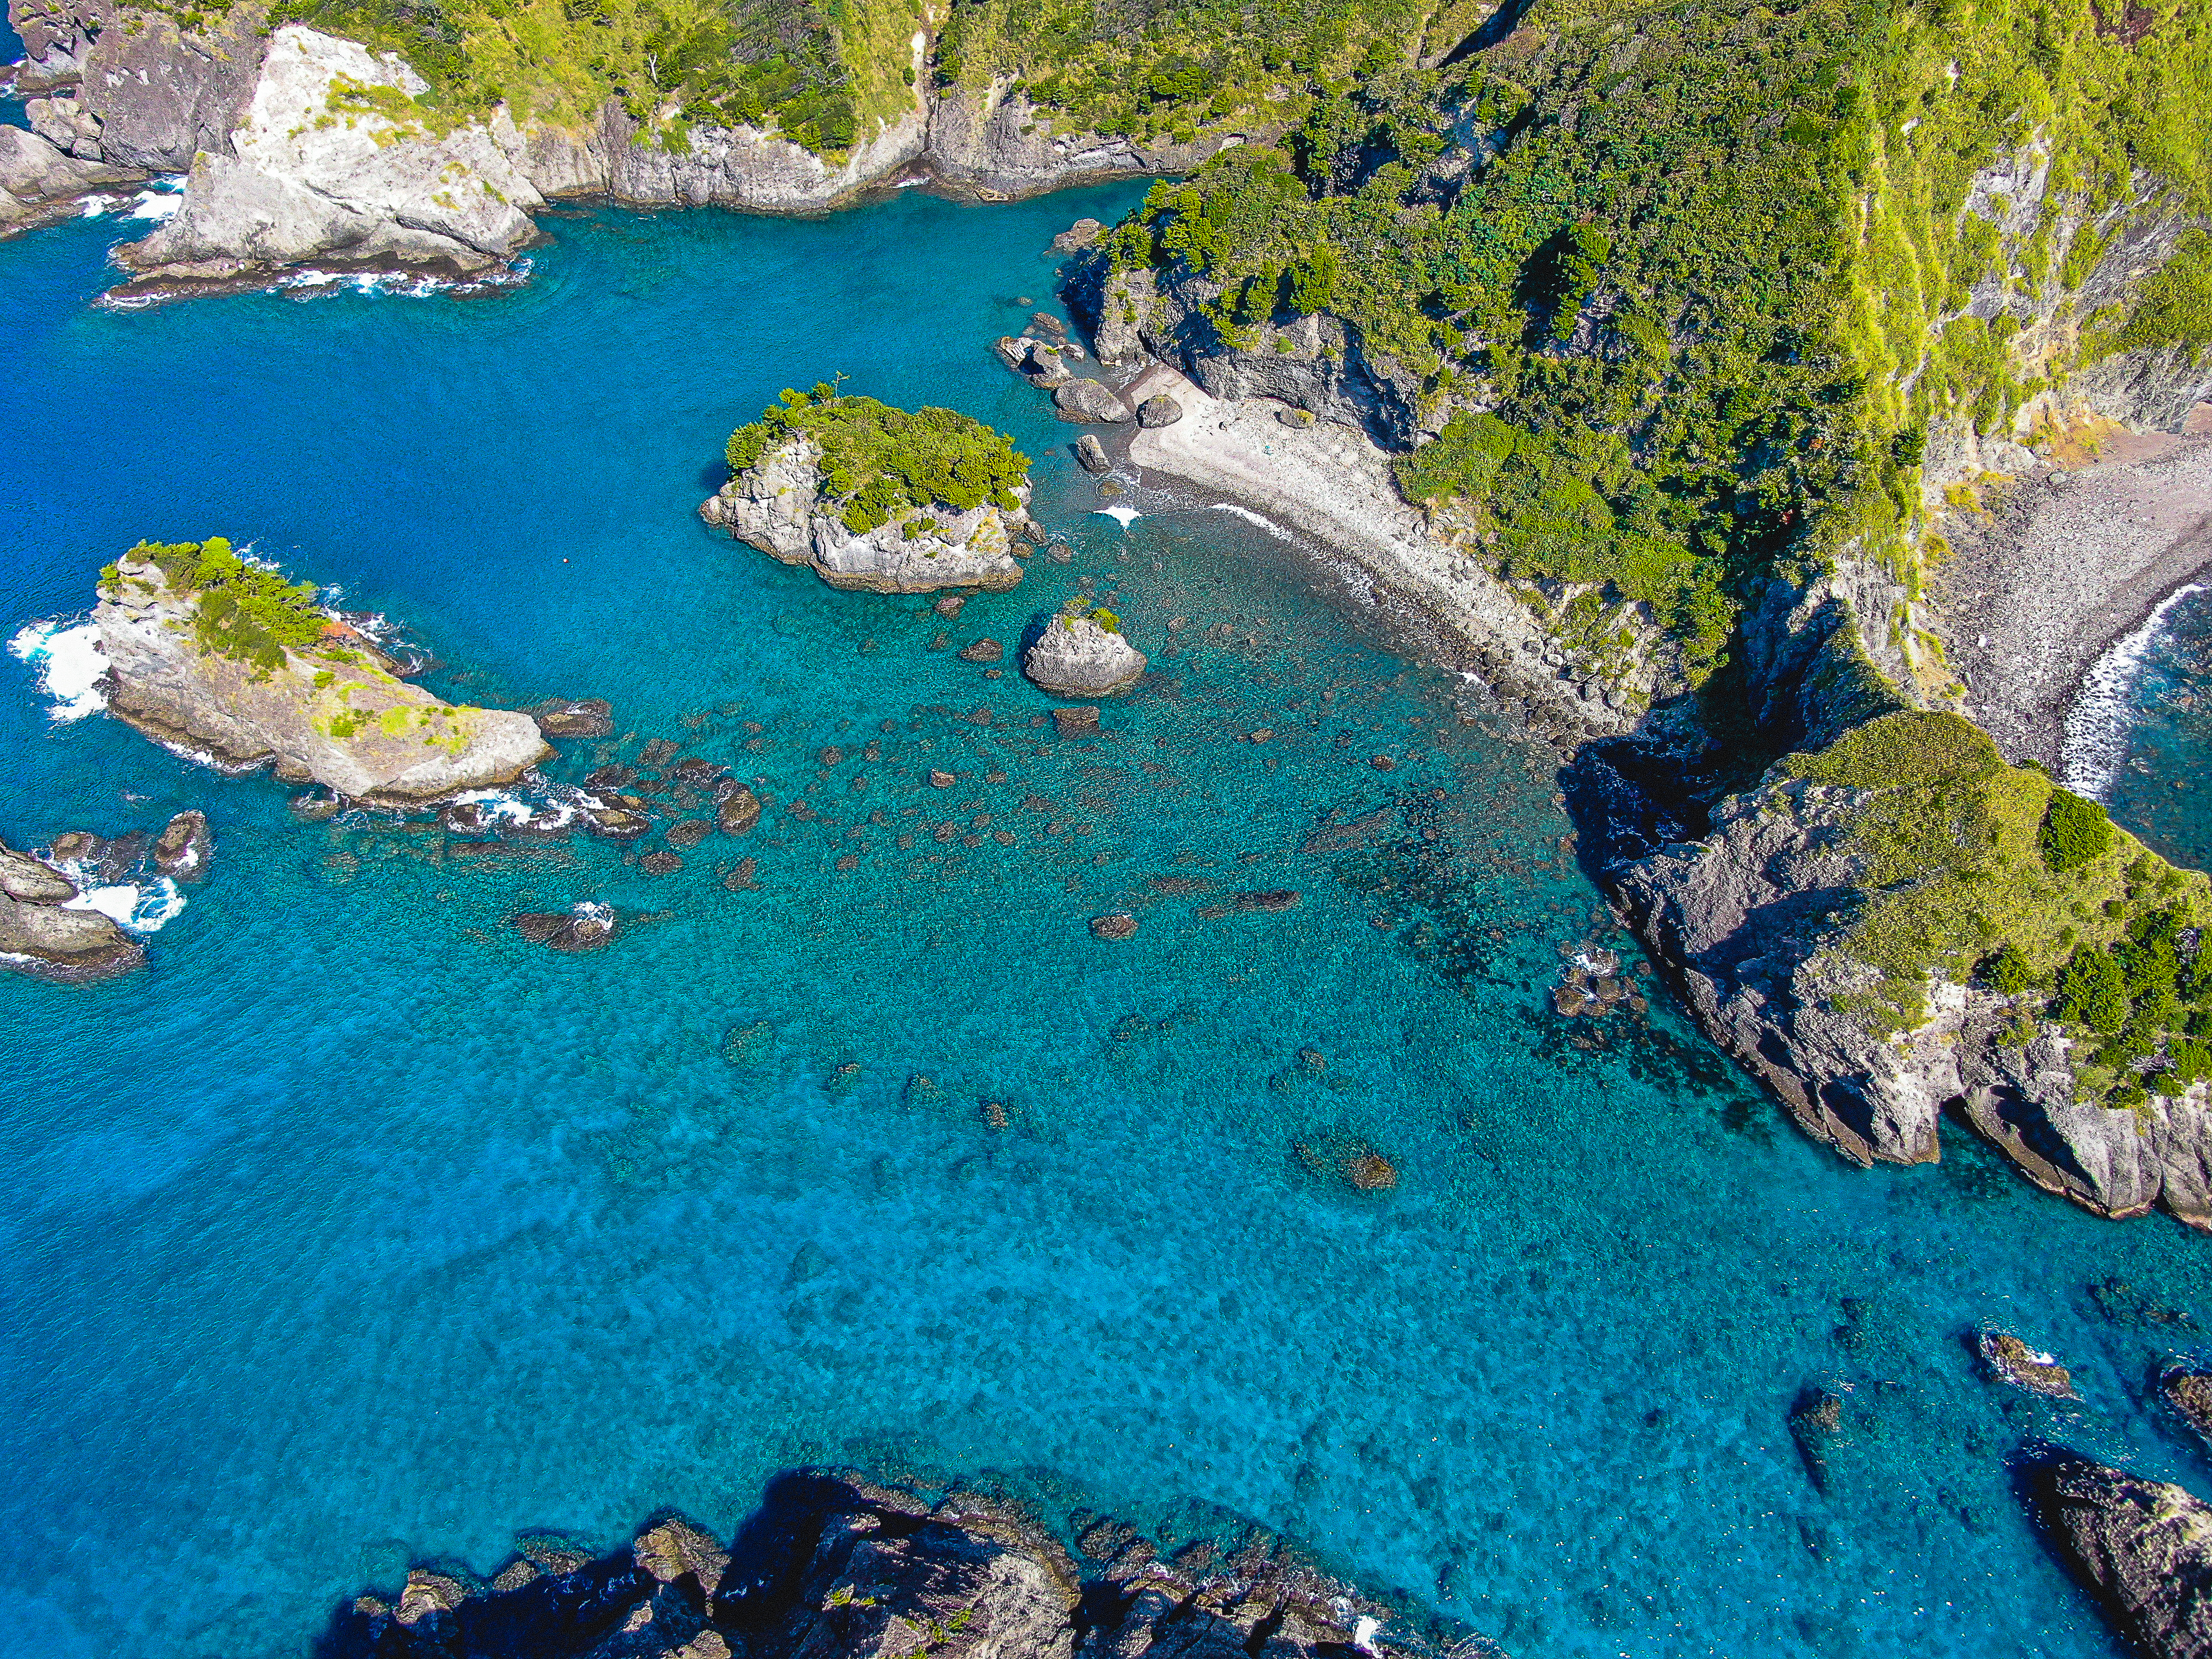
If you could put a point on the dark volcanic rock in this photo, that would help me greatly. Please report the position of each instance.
(40, 937)
(581, 717)
(660, 864)
(1120, 924)
(1089, 403)
(689, 834)
(1091, 455)
(2143, 1548)
(739, 810)
(1082, 722)
(585, 928)
(831, 1567)
(2011, 1360)
(1162, 411)
(2190, 1393)
(185, 847)
(982, 651)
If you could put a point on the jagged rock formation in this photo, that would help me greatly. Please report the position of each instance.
(2142, 1547)
(39, 182)
(779, 507)
(1082, 654)
(45, 932)
(329, 713)
(835, 1568)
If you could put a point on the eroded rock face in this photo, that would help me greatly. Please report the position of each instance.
(38, 182)
(1080, 656)
(42, 935)
(777, 505)
(185, 847)
(2143, 1548)
(834, 1568)
(318, 169)
(352, 727)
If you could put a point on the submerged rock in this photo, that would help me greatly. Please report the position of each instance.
(1083, 654)
(2011, 1360)
(739, 812)
(45, 934)
(585, 928)
(2142, 1547)
(192, 667)
(1115, 925)
(984, 650)
(1081, 722)
(185, 847)
(581, 717)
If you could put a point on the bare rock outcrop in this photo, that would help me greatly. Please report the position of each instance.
(1083, 654)
(48, 932)
(2142, 1547)
(39, 182)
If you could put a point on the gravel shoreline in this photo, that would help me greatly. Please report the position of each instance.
(1335, 487)
(2069, 565)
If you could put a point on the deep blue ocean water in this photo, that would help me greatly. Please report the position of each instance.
(355, 1227)
(2160, 790)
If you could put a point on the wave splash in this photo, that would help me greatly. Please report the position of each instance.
(1252, 518)
(2095, 744)
(71, 668)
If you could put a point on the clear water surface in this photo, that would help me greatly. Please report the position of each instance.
(355, 1225)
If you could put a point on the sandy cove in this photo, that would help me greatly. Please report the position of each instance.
(2069, 565)
(1335, 487)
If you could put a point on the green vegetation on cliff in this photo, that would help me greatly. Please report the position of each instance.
(1976, 868)
(1711, 289)
(877, 462)
(239, 610)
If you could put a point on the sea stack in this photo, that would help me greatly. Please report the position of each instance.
(884, 500)
(231, 663)
(1082, 653)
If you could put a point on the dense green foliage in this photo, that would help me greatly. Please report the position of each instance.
(820, 72)
(240, 610)
(877, 462)
(2175, 308)
(1963, 876)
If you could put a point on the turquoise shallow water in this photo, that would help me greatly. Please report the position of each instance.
(2159, 790)
(354, 1226)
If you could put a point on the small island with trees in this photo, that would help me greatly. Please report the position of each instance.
(886, 500)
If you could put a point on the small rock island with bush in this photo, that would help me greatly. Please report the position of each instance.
(215, 655)
(888, 500)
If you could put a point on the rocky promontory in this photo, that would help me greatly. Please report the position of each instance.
(2144, 1549)
(834, 1567)
(1082, 653)
(228, 662)
(876, 498)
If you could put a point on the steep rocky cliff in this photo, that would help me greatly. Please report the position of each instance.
(2144, 1549)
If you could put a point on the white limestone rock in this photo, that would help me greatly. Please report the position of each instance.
(1083, 654)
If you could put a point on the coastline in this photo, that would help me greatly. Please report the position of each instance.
(2069, 566)
(1332, 486)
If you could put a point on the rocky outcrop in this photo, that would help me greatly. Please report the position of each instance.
(778, 506)
(2142, 1547)
(40, 183)
(834, 1568)
(2011, 1360)
(328, 163)
(148, 89)
(185, 848)
(328, 715)
(1089, 403)
(48, 932)
(1083, 654)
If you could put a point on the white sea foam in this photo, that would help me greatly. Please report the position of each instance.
(65, 655)
(2098, 726)
(155, 204)
(1364, 1630)
(1124, 516)
(1250, 517)
(93, 205)
(134, 907)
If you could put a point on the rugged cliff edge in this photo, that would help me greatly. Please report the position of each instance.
(876, 498)
(2144, 1549)
(834, 1567)
(46, 933)
(227, 661)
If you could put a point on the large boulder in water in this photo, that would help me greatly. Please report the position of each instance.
(185, 847)
(1090, 403)
(1083, 654)
(40, 934)
(2143, 1548)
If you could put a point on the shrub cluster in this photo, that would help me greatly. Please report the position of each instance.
(879, 463)
(241, 611)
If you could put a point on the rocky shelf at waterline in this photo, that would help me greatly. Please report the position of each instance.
(853, 489)
(301, 148)
(834, 1567)
(324, 710)
(47, 932)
